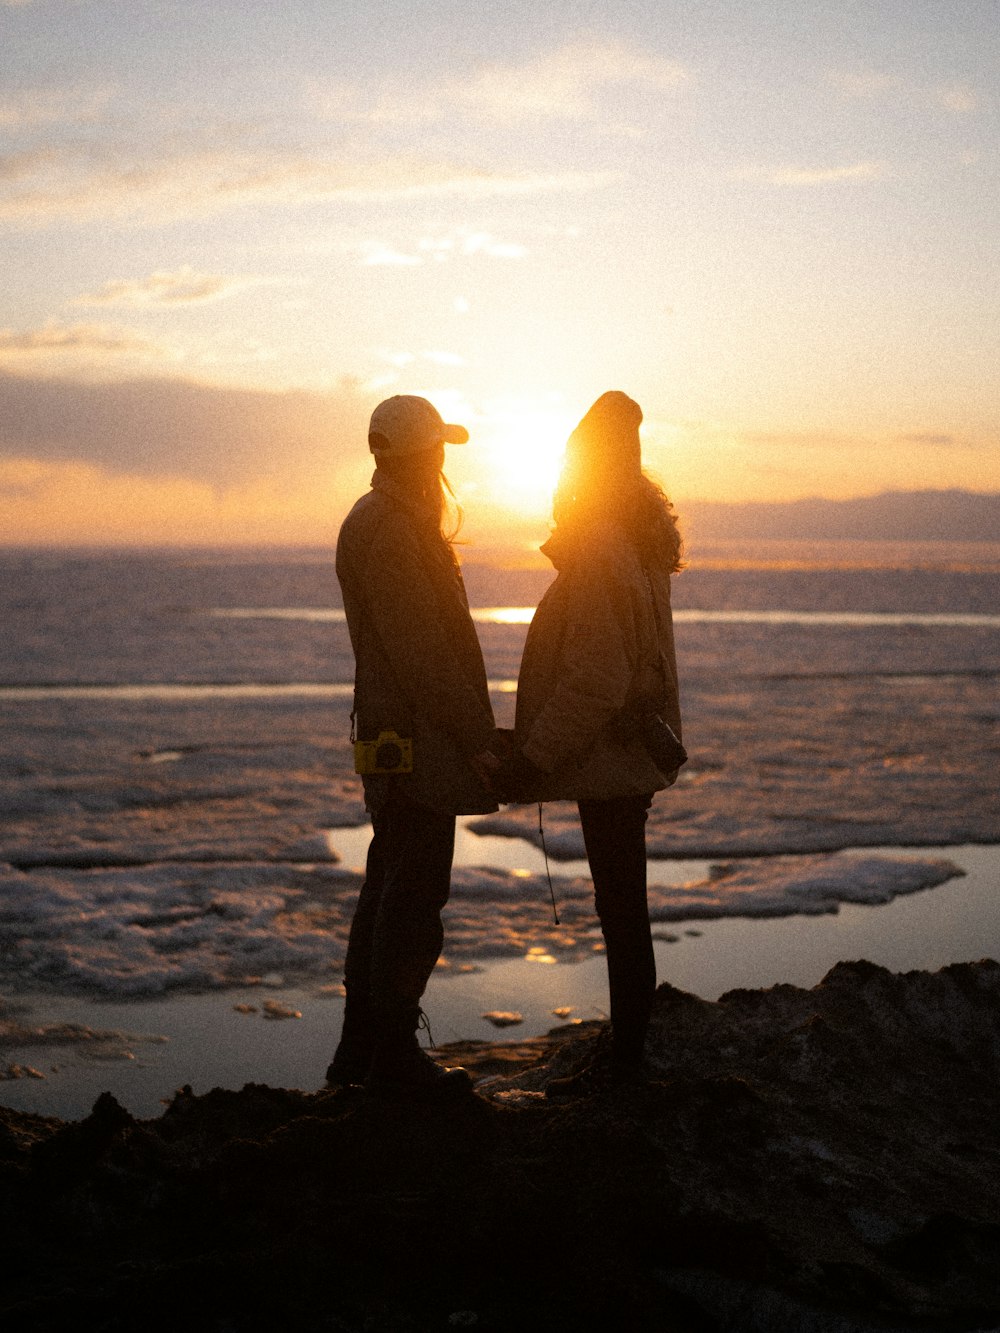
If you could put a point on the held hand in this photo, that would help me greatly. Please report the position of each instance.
(502, 743)
(486, 765)
(518, 781)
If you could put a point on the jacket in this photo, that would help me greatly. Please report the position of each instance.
(418, 664)
(590, 657)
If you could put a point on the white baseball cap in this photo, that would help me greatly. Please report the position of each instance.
(406, 424)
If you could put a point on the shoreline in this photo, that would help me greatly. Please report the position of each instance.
(210, 1043)
(820, 1159)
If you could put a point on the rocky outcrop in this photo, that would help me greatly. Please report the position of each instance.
(804, 1160)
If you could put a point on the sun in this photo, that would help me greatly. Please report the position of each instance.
(523, 453)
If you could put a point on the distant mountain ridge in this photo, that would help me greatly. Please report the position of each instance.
(946, 515)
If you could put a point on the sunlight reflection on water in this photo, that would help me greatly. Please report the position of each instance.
(172, 692)
(521, 615)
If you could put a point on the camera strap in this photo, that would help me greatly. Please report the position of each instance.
(548, 874)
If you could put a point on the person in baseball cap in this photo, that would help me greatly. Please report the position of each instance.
(406, 424)
(424, 745)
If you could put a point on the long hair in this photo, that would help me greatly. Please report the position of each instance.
(588, 494)
(431, 490)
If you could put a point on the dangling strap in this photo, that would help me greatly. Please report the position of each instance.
(424, 1022)
(548, 875)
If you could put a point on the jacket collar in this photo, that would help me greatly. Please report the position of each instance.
(390, 488)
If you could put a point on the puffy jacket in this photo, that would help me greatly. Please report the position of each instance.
(418, 664)
(589, 657)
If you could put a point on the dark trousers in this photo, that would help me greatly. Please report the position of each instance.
(396, 935)
(614, 834)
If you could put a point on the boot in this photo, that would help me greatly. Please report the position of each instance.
(598, 1077)
(611, 1063)
(350, 1064)
(353, 1056)
(408, 1069)
(401, 1066)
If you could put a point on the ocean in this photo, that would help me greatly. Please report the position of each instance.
(182, 832)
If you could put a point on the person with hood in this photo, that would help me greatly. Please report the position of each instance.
(423, 725)
(598, 658)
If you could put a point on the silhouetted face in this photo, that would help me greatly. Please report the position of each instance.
(430, 462)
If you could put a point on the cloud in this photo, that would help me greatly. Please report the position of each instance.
(856, 171)
(482, 243)
(57, 337)
(444, 358)
(374, 253)
(16, 166)
(185, 286)
(875, 85)
(465, 242)
(84, 503)
(76, 183)
(173, 427)
(566, 84)
(398, 359)
(330, 99)
(443, 182)
(956, 97)
(345, 103)
(765, 444)
(790, 439)
(403, 359)
(865, 83)
(932, 438)
(441, 248)
(52, 106)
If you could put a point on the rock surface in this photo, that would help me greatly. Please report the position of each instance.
(804, 1160)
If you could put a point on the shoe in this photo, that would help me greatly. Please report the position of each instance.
(350, 1064)
(408, 1069)
(598, 1076)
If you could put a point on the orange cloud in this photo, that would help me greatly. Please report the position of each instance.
(74, 503)
(185, 286)
(211, 434)
(69, 183)
(57, 337)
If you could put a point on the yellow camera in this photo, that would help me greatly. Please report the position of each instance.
(389, 754)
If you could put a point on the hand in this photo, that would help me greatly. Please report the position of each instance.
(486, 764)
(502, 743)
(517, 780)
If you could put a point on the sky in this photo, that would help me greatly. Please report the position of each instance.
(230, 229)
